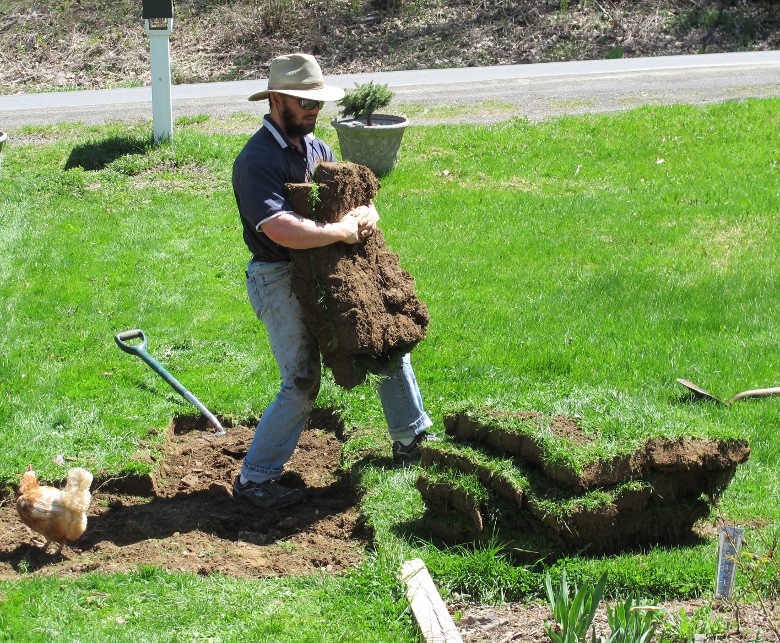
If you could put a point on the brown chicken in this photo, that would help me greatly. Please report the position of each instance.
(58, 515)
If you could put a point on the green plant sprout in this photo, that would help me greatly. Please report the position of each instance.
(314, 195)
(762, 571)
(573, 616)
(680, 627)
(630, 622)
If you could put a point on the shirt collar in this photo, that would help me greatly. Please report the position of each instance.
(279, 136)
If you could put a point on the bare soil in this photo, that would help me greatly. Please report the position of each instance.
(518, 623)
(183, 517)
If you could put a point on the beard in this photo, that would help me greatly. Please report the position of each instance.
(295, 129)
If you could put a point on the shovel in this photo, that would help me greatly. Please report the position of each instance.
(702, 394)
(140, 351)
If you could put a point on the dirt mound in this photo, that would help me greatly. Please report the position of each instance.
(183, 517)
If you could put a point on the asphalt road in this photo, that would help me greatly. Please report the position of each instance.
(536, 91)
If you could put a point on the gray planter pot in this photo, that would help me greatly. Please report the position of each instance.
(377, 146)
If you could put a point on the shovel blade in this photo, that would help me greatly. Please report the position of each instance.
(698, 391)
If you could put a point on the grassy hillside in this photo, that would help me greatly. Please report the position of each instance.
(81, 44)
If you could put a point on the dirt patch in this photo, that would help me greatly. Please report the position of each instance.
(188, 521)
(518, 623)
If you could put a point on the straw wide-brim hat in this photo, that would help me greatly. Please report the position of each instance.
(298, 75)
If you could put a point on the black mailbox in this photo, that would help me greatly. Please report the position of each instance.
(157, 9)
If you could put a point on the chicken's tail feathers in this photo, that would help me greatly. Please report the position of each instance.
(76, 495)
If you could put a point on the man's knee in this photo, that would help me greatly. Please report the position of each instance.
(302, 388)
(308, 387)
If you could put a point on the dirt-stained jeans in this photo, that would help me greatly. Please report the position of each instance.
(298, 358)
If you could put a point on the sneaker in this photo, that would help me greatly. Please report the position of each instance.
(266, 495)
(409, 455)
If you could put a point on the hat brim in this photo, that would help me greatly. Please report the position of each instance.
(325, 93)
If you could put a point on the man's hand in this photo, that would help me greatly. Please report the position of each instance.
(367, 218)
(350, 226)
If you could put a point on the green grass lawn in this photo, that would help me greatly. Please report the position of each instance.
(576, 266)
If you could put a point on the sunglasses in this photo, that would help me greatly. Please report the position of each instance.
(308, 103)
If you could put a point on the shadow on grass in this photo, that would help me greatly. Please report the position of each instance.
(96, 155)
(534, 546)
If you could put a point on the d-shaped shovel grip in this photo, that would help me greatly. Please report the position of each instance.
(135, 349)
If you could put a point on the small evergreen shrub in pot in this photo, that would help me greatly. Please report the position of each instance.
(365, 136)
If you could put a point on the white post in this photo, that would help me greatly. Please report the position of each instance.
(3, 139)
(160, 52)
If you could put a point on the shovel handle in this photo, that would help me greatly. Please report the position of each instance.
(135, 349)
(140, 351)
(759, 392)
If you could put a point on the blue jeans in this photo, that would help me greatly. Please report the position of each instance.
(295, 350)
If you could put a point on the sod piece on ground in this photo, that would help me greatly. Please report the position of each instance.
(460, 509)
(357, 300)
(501, 475)
(600, 520)
(662, 489)
(571, 457)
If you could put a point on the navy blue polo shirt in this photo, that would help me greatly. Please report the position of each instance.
(260, 172)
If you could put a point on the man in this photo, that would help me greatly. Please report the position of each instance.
(285, 150)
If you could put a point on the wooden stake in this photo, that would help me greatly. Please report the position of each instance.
(433, 619)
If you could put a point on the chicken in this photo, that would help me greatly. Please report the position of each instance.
(58, 515)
